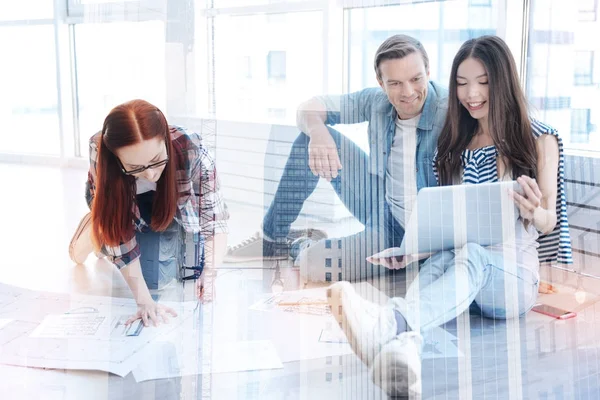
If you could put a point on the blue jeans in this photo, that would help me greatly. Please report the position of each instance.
(451, 282)
(161, 252)
(361, 192)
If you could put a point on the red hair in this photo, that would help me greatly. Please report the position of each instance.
(113, 205)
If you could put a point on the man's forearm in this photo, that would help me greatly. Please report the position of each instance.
(311, 117)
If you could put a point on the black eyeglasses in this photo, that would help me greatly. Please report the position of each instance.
(142, 169)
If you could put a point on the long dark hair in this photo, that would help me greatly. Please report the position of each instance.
(112, 208)
(508, 117)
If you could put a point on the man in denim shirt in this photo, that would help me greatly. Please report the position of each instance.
(405, 117)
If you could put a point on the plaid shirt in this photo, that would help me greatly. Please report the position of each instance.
(204, 213)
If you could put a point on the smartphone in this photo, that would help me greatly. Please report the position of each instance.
(553, 311)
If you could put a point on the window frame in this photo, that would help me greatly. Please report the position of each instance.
(68, 13)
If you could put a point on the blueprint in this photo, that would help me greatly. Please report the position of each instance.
(40, 329)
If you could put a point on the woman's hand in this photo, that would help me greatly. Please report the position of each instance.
(397, 262)
(152, 311)
(531, 199)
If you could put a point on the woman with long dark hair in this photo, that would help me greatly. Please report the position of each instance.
(488, 136)
(144, 176)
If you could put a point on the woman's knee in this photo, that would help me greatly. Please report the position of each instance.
(476, 260)
(500, 302)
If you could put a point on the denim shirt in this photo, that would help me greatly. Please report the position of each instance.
(372, 105)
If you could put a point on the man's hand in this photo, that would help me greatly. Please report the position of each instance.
(323, 157)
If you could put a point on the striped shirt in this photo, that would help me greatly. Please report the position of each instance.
(197, 212)
(480, 166)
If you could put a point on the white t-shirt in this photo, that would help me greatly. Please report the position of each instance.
(143, 185)
(401, 175)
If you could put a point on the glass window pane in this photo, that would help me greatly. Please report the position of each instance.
(87, 2)
(117, 62)
(28, 99)
(26, 9)
(584, 61)
(562, 73)
(245, 3)
(267, 68)
(448, 25)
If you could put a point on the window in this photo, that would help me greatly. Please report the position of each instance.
(580, 125)
(584, 66)
(117, 62)
(328, 276)
(28, 98)
(562, 103)
(339, 276)
(480, 3)
(449, 24)
(276, 113)
(587, 10)
(109, 10)
(261, 72)
(26, 10)
(276, 65)
(339, 263)
(339, 243)
(247, 63)
(328, 263)
(328, 244)
(328, 376)
(239, 3)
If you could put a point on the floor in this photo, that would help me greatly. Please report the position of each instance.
(536, 357)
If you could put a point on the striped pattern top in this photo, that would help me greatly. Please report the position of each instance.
(480, 166)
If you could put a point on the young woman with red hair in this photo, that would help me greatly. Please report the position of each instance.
(144, 175)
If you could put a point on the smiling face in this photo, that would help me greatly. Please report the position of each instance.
(405, 80)
(142, 154)
(472, 88)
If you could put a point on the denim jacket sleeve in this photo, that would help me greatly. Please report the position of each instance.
(352, 108)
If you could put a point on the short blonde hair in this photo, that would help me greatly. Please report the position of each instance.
(399, 46)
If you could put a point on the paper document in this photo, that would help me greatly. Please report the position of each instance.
(310, 301)
(333, 335)
(4, 322)
(69, 325)
(72, 331)
(86, 326)
(168, 359)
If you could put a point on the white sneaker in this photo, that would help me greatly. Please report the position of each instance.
(397, 367)
(257, 247)
(368, 326)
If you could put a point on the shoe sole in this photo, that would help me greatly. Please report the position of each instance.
(314, 234)
(335, 300)
(399, 377)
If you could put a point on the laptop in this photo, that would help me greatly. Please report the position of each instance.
(448, 217)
